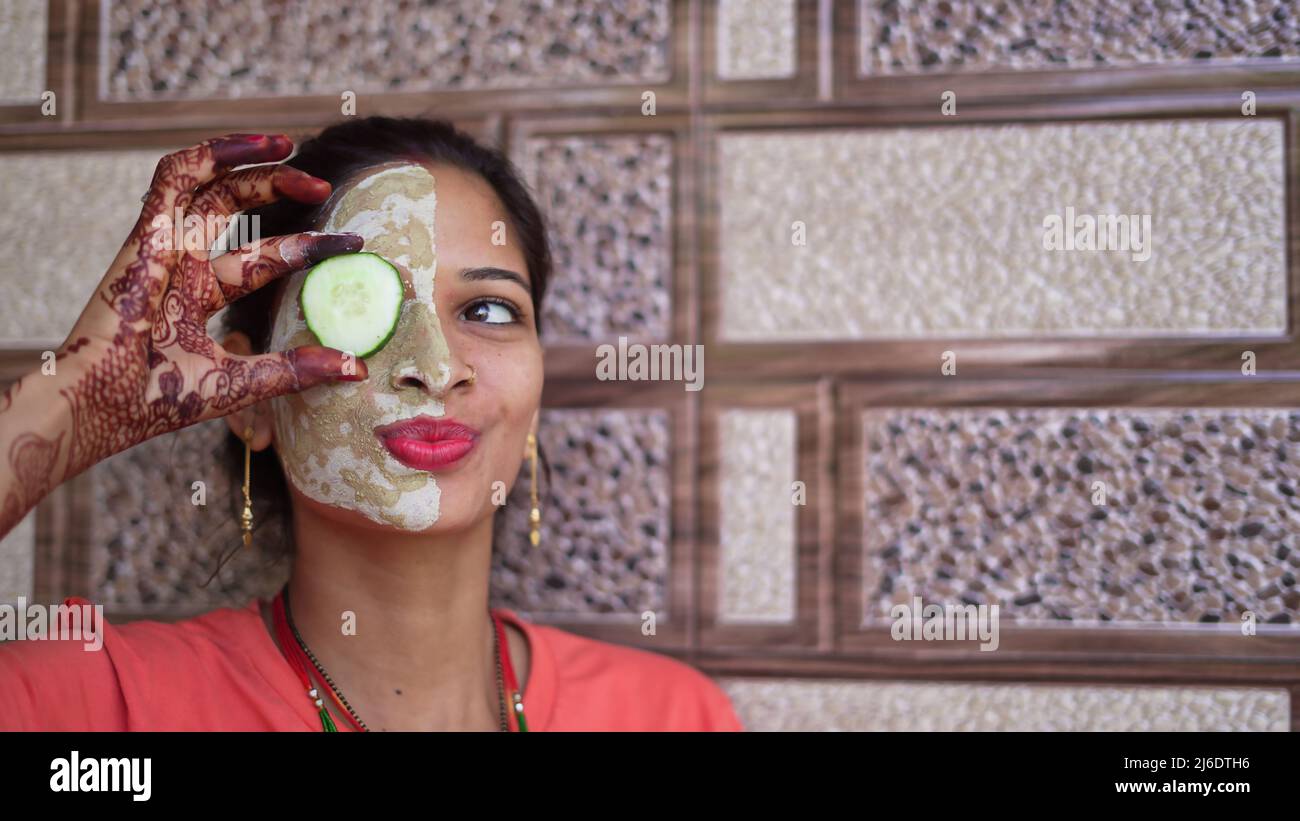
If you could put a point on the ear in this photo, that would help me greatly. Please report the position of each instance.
(258, 416)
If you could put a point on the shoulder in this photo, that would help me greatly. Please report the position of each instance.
(216, 632)
(601, 685)
(52, 680)
(139, 672)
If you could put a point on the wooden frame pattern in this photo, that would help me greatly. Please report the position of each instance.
(981, 355)
(1273, 643)
(750, 92)
(677, 632)
(1270, 79)
(60, 73)
(813, 546)
(577, 359)
(314, 110)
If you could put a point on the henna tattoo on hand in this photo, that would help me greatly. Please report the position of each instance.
(32, 459)
(141, 360)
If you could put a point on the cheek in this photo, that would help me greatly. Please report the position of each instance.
(325, 417)
(516, 395)
(516, 383)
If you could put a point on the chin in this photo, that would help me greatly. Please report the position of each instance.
(455, 512)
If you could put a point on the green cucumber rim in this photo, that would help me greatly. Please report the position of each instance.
(307, 316)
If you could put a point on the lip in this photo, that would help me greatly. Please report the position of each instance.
(426, 443)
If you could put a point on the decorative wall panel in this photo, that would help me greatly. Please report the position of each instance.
(923, 232)
(152, 548)
(757, 516)
(609, 203)
(23, 28)
(17, 559)
(606, 519)
(867, 706)
(757, 39)
(944, 36)
(202, 49)
(63, 224)
(1199, 524)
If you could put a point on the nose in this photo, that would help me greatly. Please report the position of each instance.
(423, 360)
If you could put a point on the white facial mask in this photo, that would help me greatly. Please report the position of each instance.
(325, 435)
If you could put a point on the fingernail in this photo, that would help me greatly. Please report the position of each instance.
(324, 246)
(315, 364)
(299, 185)
(242, 149)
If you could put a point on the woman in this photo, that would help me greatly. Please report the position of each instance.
(392, 460)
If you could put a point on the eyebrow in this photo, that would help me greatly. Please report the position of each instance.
(489, 272)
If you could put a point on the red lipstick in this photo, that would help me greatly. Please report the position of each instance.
(426, 443)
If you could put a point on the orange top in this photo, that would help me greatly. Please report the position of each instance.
(222, 671)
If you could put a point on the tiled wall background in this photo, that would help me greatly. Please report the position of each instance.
(912, 399)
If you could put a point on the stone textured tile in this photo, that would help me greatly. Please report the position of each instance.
(865, 706)
(757, 39)
(17, 560)
(63, 233)
(923, 232)
(943, 36)
(997, 507)
(194, 49)
(152, 548)
(606, 519)
(23, 26)
(757, 544)
(609, 204)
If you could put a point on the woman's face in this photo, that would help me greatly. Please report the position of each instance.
(467, 304)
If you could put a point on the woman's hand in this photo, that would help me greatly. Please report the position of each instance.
(139, 361)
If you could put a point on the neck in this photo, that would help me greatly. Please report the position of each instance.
(421, 654)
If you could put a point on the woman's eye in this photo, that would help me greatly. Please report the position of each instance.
(491, 312)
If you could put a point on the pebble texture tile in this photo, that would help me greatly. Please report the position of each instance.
(1199, 524)
(946, 36)
(757, 516)
(153, 548)
(866, 706)
(23, 27)
(609, 205)
(63, 233)
(194, 49)
(756, 39)
(924, 232)
(606, 519)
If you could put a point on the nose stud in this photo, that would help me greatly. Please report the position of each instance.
(473, 376)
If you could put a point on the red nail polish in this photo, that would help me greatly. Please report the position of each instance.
(329, 245)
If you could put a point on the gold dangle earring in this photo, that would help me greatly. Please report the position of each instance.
(534, 515)
(246, 518)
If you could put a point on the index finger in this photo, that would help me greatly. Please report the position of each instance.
(180, 172)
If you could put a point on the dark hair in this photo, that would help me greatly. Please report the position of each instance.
(338, 154)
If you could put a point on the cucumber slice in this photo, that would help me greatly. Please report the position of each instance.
(352, 302)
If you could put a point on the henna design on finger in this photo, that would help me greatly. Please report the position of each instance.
(283, 255)
(144, 363)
